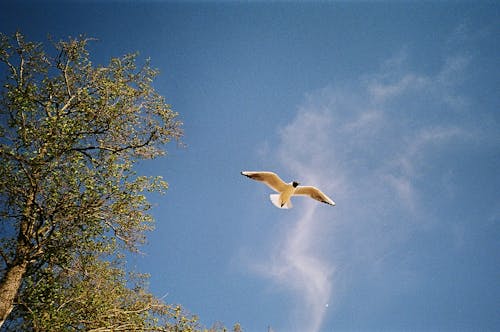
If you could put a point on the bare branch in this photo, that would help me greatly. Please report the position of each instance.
(12, 68)
(68, 103)
(5, 258)
(147, 142)
(66, 81)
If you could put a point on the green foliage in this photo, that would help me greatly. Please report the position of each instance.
(93, 296)
(70, 202)
(73, 134)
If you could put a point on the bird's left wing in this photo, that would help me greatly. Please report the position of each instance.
(314, 193)
(271, 179)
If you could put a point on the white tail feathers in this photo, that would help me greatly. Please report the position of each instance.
(275, 199)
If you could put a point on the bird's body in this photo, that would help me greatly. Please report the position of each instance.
(286, 190)
(282, 200)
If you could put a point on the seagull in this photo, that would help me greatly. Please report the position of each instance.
(286, 190)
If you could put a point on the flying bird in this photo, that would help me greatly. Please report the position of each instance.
(286, 190)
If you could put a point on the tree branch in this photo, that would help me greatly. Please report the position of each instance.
(66, 81)
(118, 149)
(68, 103)
(5, 258)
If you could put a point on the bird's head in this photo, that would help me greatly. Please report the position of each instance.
(295, 184)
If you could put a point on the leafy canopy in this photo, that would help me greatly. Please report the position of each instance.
(71, 203)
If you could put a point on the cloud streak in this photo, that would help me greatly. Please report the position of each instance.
(300, 269)
(365, 148)
(298, 263)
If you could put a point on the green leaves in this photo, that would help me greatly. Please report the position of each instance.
(71, 204)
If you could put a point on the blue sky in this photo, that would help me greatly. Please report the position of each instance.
(391, 108)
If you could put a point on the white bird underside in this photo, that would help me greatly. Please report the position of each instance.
(275, 199)
(286, 190)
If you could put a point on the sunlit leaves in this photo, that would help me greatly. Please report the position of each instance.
(71, 203)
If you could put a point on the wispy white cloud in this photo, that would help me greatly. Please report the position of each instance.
(395, 81)
(297, 266)
(381, 91)
(360, 146)
(407, 165)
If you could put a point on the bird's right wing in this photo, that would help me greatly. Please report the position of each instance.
(271, 179)
(314, 193)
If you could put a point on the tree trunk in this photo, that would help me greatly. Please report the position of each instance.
(9, 285)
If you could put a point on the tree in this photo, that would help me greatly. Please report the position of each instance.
(70, 202)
